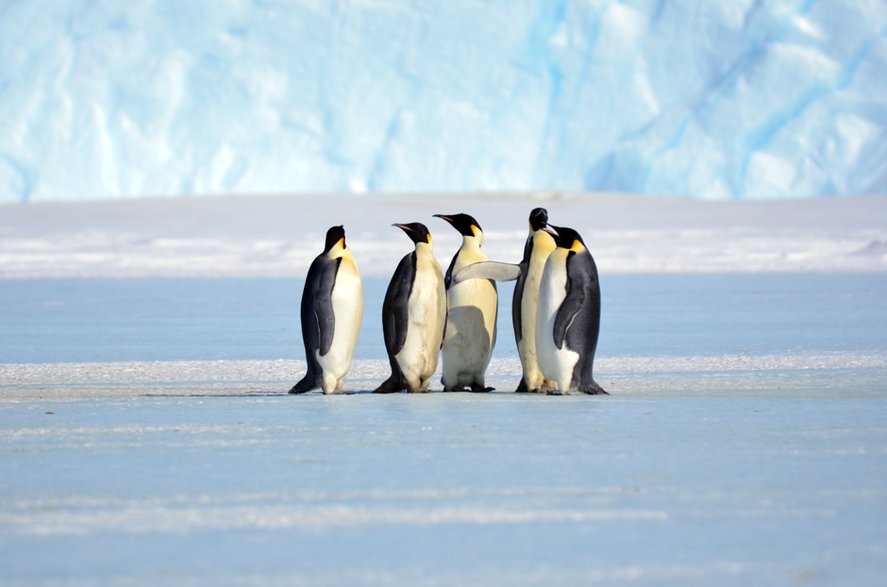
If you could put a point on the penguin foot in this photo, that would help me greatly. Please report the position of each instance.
(302, 386)
(593, 389)
(475, 388)
(390, 385)
(546, 387)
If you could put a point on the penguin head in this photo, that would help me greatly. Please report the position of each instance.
(464, 223)
(538, 219)
(417, 232)
(566, 238)
(335, 238)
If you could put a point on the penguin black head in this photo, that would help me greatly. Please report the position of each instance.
(417, 232)
(565, 238)
(465, 224)
(538, 219)
(333, 236)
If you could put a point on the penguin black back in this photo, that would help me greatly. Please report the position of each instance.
(538, 220)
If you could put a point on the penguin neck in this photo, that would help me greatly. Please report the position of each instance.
(471, 243)
(344, 253)
(424, 250)
(543, 244)
(560, 253)
(469, 253)
(338, 250)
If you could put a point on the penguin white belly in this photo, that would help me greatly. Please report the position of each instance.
(470, 331)
(347, 301)
(555, 364)
(426, 312)
(529, 310)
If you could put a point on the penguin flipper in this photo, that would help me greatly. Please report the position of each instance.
(495, 270)
(316, 303)
(517, 306)
(571, 306)
(324, 316)
(395, 307)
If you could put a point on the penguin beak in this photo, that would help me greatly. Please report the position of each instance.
(547, 228)
(444, 217)
(403, 227)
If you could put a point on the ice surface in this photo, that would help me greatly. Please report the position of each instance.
(715, 99)
(146, 437)
(713, 486)
(743, 443)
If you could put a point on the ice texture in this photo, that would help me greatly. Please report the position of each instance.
(746, 98)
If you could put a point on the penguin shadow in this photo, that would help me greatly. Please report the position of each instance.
(469, 332)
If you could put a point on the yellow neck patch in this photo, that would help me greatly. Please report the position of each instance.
(336, 250)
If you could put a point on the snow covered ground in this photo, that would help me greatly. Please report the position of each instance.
(279, 236)
(145, 436)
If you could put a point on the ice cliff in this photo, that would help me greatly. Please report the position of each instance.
(746, 98)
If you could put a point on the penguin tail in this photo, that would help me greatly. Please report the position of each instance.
(391, 385)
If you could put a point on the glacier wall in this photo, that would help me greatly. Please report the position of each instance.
(746, 98)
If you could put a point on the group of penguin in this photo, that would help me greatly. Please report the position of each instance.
(426, 313)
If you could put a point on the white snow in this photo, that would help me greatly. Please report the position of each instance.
(279, 236)
(712, 99)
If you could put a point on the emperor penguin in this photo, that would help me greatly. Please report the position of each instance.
(470, 333)
(413, 315)
(569, 314)
(540, 244)
(331, 313)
